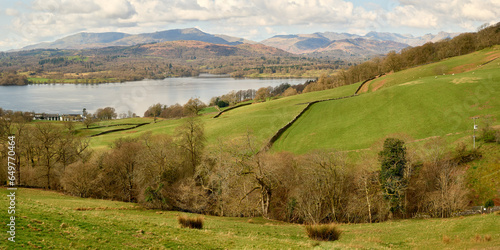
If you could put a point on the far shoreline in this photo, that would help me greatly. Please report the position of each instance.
(159, 79)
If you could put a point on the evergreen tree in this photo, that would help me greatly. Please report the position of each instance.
(392, 174)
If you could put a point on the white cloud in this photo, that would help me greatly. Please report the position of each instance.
(412, 17)
(270, 30)
(11, 12)
(440, 14)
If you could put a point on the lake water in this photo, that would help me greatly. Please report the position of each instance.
(128, 96)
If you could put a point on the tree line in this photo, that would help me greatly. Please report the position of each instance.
(117, 64)
(232, 178)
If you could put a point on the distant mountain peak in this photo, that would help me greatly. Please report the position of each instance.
(372, 43)
(84, 40)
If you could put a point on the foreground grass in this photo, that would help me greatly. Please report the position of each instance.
(47, 219)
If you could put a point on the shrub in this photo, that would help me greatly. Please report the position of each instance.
(222, 103)
(464, 155)
(325, 232)
(190, 222)
(489, 203)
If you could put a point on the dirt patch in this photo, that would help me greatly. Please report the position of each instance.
(412, 83)
(462, 68)
(465, 80)
(378, 85)
(492, 55)
(365, 87)
(479, 106)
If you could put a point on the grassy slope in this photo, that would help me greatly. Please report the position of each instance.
(454, 65)
(51, 220)
(262, 119)
(427, 107)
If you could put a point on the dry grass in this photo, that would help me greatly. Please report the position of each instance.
(487, 237)
(325, 232)
(446, 239)
(190, 222)
(479, 238)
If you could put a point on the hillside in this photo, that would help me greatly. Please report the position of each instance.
(421, 108)
(191, 49)
(47, 219)
(99, 40)
(345, 45)
(156, 61)
(417, 102)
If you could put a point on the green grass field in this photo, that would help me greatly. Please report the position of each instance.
(261, 119)
(423, 108)
(50, 220)
(467, 63)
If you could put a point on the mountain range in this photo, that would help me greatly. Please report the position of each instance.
(317, 44)
(372, 43)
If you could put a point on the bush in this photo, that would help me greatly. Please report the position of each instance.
(190, 222)
(222, 103)
(325, 232)
(464, 155)
(489, 203)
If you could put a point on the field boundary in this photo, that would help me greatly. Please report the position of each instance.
(120, 129)
(115, 125)
(282, 130)
(231, 108)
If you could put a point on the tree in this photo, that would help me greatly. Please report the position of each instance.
(290, 91)
(48, 137)
(193, 106)
(192, 143)
(80, 178)
(393, 161)
(106, 113)
(121, 166)
(392, 62)
(262, 94)
(88, 120)
(160, 169)
(154, 111)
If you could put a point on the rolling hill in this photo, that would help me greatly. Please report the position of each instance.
(350, 45)
(343, 45)
(430, 105)
(99, 40)
(317, 43)
(191, 49)
(420, 102)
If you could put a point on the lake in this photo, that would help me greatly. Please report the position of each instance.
(127, 96)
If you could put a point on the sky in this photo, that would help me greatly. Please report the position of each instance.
(25, 22)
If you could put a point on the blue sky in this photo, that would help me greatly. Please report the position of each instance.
(25, 22)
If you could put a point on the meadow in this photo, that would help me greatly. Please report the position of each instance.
(51, 220)
(429, 106)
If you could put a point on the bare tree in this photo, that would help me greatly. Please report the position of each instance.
(192, 142)
(48, 140)
(194, 106)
